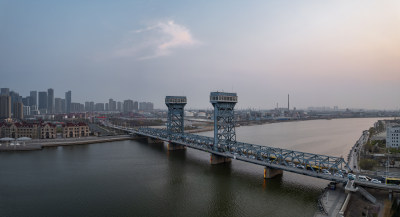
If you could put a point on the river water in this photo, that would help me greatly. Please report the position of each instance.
(133, 178)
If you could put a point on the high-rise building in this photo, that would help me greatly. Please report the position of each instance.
(135, 106)
(112, 105)
(106, 107)
(33, 95)
(68, 101)
(146, 106)
(57, 105)
(15, 97)
(77, 107)
(50, 101)
(5, 91)
(26, 101)
(42, 100)
(63, 106)
(18, 110)
(119, 106)
(5, 106)
(128, 105)
(27, 111)
(99, 107)
(91, 106)
(87, 104)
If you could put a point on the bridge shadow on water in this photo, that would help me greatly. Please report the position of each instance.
(228, 184)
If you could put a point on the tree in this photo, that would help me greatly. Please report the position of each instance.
(367, 164)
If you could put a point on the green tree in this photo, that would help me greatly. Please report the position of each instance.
(367, 164)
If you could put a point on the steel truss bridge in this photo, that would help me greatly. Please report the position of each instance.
(224, 144)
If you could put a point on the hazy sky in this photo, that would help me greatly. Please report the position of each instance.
(322, 53)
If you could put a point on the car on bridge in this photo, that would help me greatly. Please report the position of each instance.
(300, 166)
(326, 172)
(364, 178)
(351, 176)
(376, 181)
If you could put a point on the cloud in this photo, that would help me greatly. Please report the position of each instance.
(161, 39)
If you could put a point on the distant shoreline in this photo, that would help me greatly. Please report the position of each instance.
(40, 144)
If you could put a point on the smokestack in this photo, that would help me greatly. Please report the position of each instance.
(288, 108)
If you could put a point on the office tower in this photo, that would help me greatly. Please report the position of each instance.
(135, 106)
(68, 101)
(50, 101)
(5, 106)
(57, 105)
(42, 100)
(33, 95)
(5, 91)
(18, 111)
(106, 107)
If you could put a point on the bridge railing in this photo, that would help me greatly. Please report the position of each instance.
(272, 155)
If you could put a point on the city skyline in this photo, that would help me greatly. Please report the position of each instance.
(341, 54)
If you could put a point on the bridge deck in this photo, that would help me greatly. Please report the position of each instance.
(303, 163)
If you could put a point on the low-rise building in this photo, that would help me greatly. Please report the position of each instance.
(71, 130)
(31, 130)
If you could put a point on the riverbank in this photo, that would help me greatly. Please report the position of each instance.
(39, 144)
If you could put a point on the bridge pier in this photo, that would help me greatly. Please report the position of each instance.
(271, 173)
(173, 146)
(152, 141)
(217, 159)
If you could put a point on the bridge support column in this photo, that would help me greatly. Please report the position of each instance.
(151, 140)
(271, 173)
(216, 159)
(173, 146)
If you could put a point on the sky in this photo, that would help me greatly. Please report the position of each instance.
(322, 53)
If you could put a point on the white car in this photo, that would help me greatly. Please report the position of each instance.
(376, 181)
(326, 172)
(300, 166)
(362, 178)
(338, 175)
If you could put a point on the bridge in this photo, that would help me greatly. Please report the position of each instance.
(223, 147)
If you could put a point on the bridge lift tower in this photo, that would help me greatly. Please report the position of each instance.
(224, 124)
(175, 121)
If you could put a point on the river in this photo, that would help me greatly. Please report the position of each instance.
(133, 178)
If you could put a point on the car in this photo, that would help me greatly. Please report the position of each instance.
(292, 164)
(338, 175)
(351, 176)
(300, 166)
(362, 178)
(326, 172)
(376, 181)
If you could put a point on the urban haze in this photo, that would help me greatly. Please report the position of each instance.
(227, 108)
(336, 53)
